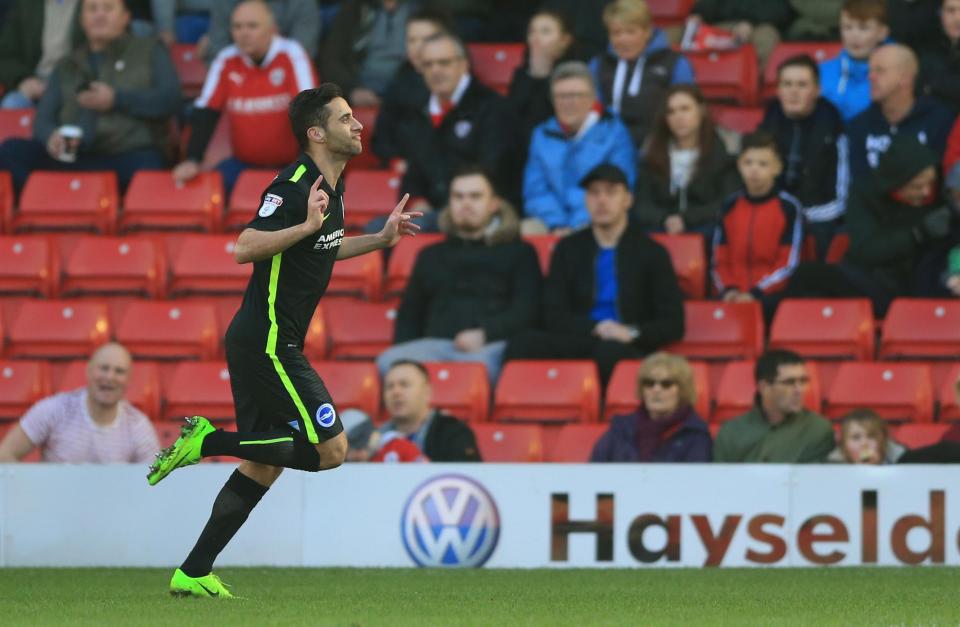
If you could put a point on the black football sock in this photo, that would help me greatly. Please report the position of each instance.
(239, 495)
(284, 449)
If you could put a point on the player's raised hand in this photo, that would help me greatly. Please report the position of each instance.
(317, 203)
(399, 223)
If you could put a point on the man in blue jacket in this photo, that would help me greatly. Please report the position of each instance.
(581, 136)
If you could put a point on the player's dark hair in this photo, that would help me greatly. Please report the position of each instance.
(801, 60)
(410, 362)
(758, 139)
(473, 169)
(309, 108)
(768, 366)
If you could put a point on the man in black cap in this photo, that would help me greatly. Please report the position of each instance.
(611, 293)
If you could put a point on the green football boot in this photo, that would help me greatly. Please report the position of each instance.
(208, 586)
(184, 452)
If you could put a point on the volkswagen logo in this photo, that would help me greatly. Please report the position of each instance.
(450, 521)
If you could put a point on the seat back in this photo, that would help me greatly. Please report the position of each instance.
(28, 265)
(199, 387)
(402, 259)
(689, 261)
(921, 328)
(155, 201)
(373, 193)
(575, 443)
(206, 264)
(114, 265)
(825, 328)
(461, 389)
(544, 245)
(715, 330)
(509, 443)
(740, 119)
(68, 201)
(64, 329)
(22, 383)
(358, 329)
(727, 75)
(548, 391)
(353, 385)
(358, 276)
(169, 330)
(493, 64)
(16, 123)
(896, 391)
(191, 70)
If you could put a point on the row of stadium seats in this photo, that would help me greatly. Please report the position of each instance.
(528, 391)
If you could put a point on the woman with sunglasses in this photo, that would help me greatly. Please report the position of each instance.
(665, 428)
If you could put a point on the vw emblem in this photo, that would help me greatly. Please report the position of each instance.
(450, 521)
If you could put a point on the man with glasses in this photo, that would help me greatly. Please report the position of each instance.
(779, 429)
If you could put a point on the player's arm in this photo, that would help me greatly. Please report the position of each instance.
(256, 244)
(398, 224)
(15, 446)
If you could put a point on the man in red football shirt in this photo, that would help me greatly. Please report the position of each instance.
(253, 82)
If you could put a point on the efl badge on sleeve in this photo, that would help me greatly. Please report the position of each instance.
(270, 204)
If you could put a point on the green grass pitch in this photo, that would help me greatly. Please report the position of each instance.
(360, 597)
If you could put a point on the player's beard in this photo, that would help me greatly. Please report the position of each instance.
(346, 149)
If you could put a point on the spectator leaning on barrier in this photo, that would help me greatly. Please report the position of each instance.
(778, 429)
(665, 428)
(252, 82)
(865, 439)
(106, 105)
(91, 425)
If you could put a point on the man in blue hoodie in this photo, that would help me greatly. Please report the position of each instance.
(895, 110)
(632, 77)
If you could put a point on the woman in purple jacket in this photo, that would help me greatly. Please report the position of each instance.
(665, 428)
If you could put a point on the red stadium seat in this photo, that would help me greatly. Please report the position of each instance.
(165, 330)
(28, 265)
(575, 443)
(825, 328)
(402, 259)
(740, 119)
(727, 75)
(58, 329)
(949, 407)
(358, 276)
(205, 263)
(199, 388)
(622, 391)
(838, 248)
(493, 64)
(22, 383)
(68, 201)
(717, 330)
(114, 265)
(667, 13)
(509, 443)
(921, 328)
(370, 194)
(352, 385)
(461, 389)
(366, 160)
(191, 70)
(548, 391)
(6, 201)
(143, 387)
(358, 329)
(735, 394)
(16, 123)
(544, 245)
(917, 435)
(245, 197)
(819, 50)
(155, 201)
(689, 261)
(317, 343)
(896, 391)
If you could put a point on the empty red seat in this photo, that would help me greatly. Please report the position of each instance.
(493, 64)
(155, 201)
(358, 276)
(68, 200)
(358, 329)
(22, 383)
(6, 201)
(549, 391)
(246, 195)
(366, 160)
(164, 330)
(896, 391)
(838, 248)
(143, 385)
(114, 265)
(16, 123)
(199, 388)
(461, 389)
(949, 393)
(191, 70)
(737, 389)
(820, 51)
(575, 443)
(352, 385)
(819, 328)
(728, 75)
(57, 328)
(921, 328)
(689, 261)
(402, 259)
(28, 265)
(917, 435)
(205, 263)
(544, 245)
(667, 13)
(369, 194)
(509, 443)
(622, 391)
(717, 330)
(740, 119)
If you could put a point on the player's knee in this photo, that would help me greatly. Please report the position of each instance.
(332, 452)
(263, 474)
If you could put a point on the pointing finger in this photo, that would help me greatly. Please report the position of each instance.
(316, 184)
(402, 203)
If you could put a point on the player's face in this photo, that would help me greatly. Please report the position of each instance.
(608, 203)
(684, 116)
(785, 393)
(406, 392)
(573, 98)
(252, 29)
(919, 189)
(418, 31)
(107, 375)
(797, 91)
(342, 133)
(759, 167)
(472, 203)
(442, 67)
(104, 20)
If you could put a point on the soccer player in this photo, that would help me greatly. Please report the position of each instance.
(285, 416)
